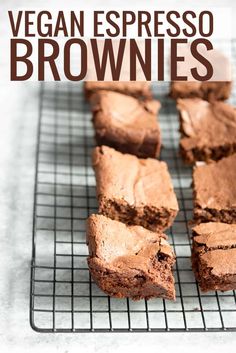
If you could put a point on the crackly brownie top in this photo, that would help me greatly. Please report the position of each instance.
(113, 241)
(207, 124)
(215, 184)
(124, 112)
(216, 245)
(130, 87)
(213, 235)
(139, 182)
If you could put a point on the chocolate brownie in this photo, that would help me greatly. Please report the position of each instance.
(126, 123)
(129, 261)
(134, 191)
(208, 129)
(139, 89)
(214, 256)
(214, 191)
(210, 91)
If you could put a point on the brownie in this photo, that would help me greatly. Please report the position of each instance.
(214, 191)
(129, 261)
(134, 191)
(139, 89)
(126, 123)
(214, 256)
(208, 130)
(210, 91)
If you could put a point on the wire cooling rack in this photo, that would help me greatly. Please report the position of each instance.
(63, 296)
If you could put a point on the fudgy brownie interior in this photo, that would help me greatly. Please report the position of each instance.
(150, 217)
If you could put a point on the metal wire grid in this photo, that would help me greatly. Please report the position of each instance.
(63, 296)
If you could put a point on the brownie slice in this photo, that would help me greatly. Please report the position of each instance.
(134, 191)
(210, 91)
(214, 191)
(129, 261)
(138, 89)
(214, 256)
(126, 123)
(208, 129)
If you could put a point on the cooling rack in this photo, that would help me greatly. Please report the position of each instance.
(63, 297)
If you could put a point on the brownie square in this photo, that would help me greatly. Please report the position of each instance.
(210, 91)
(214, 191)
(138, 89)
(129, 261)
(126, 123)
(134, 191)
(214, 256)
(208, 130)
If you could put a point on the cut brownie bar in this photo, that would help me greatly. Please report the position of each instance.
(210, 91)
(214, 191)
(129, 261)
(208, 129)
(126, 123)
(214, 256)
(134, 191)
(139, 89)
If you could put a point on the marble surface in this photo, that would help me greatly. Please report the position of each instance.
(18, 122)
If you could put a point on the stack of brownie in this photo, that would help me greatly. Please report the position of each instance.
(208, 140)
(129, 255)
